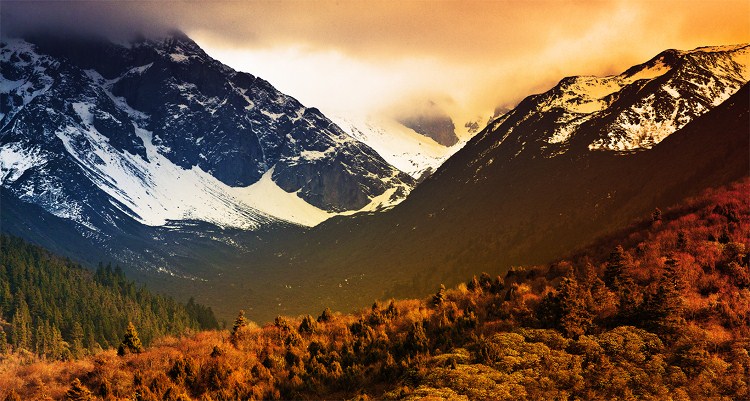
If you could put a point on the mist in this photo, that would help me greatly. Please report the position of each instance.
(470, 58)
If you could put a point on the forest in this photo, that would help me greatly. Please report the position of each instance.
(660, 310)
(58, 310)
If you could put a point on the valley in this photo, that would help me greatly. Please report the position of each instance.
(392, 200)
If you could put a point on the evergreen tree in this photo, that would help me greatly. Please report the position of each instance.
(615, 267)
(326, 316)
(656, 215)
(76, 340)
(473, 285)
(43, 297)
(239, 323)
(308, 325)
(21, 327)
(4, 347)
(439, 297)
(130, 342)
(416, 339)
(78, 392)
(664, 307)
(575, 318)
(681, 240)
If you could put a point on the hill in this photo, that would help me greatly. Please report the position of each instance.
(55, 308)
(658, 311)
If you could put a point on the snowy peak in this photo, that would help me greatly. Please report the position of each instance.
(158, 131)
(631, 111)
(407, 150)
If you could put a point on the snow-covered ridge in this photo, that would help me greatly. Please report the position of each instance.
(691, 83)
(400, 146)
(142, 160)
(706, 78)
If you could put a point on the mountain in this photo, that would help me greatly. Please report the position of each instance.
(634, 110)
(510, 196)
(158, 132)
(432, 122)
(404, 148)
(561, 169)
(658, 310)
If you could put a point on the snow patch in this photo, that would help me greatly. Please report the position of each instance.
(266, 196)
(15, 160)
(400, 146)
(178, 57)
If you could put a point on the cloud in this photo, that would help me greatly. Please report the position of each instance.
(467, 56)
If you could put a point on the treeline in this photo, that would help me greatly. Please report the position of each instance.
(659, 312)
(55, 308)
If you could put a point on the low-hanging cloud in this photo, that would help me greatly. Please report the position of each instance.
(470, 57)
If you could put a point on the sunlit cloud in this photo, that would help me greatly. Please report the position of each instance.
(386, 56)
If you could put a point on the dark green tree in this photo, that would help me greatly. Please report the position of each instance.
(76, 340)
(130, 342)
(21, 327)
(4, 347)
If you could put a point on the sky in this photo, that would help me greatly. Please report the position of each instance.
(390, 57)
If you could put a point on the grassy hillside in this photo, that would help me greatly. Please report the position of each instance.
(659, 311)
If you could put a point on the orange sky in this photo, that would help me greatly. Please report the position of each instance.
(365, 56)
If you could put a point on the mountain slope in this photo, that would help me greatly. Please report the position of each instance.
(159, 131)
(55, 308)
(413, 153)
(490, 207)
(659, 311)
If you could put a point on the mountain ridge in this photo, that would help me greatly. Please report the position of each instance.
(193, 119)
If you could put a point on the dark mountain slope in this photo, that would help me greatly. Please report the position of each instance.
(659, 311)
(531, 211)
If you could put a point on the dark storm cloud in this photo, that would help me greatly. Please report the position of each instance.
(115, 20)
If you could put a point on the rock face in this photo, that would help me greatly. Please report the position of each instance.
(432, 122)
(159, 131)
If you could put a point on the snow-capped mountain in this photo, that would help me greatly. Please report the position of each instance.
(529, 187)
(158, 131)
(402, 147)
(628, 112)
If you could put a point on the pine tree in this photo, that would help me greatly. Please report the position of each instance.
(76, 340)
(439, 296)
(656, 215)
(416, 339)
(21, 327)
(326, 316)
(239, 324)
(4, 347)
(615, 267)
(681, 240)
(664, 307)
(307, 325)
(130, 342)
(575, 318)
(78, 392)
